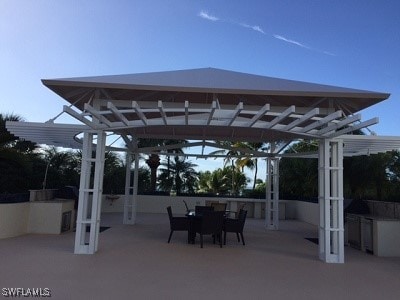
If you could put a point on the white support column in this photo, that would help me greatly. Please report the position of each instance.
(330, 190)
(272, 194)
(97, 191)
(131, 200)
(128, 188)
(135, 188)
(88, 243)
(83, 203)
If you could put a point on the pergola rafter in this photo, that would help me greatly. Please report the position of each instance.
(119, 115)
(302, 119)
(322, 122)
(235, 114)
(162, 112)
(310, 124)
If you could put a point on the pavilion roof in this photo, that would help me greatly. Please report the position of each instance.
(206, 84)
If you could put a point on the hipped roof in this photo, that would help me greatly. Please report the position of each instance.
(206, 84)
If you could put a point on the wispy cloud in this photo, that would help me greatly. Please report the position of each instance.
(205, 15)
(329, 53)
(254, 27)
(282, 38)
(290, 41)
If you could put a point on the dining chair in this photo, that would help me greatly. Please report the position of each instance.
(211, 223)
(198, 209)
(177, 223)
(235, 225)
(219, 206)
(188, 210)
(236, 213)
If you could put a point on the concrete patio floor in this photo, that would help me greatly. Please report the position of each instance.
(136, 262)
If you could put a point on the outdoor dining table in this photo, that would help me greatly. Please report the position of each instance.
(193, 218)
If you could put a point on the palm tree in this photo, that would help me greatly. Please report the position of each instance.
(177, 150)
(6, 138)
(229, 159)
(215, 182)
(236, 178)
(56, 162)
(249, 161)
(114, 174)
(240, 157)
(221, 181)
(183, 177)
(62, 167)
(16, 158)
(299, 176)
(153, 160)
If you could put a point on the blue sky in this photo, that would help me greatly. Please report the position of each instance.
(345, 43)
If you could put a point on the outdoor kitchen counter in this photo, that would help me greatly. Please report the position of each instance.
(375, 234)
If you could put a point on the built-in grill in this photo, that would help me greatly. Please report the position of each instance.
(66, 221)
(358, 226)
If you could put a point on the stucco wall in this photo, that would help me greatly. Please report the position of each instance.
(157, 204)
(307, 212)
(14, 219)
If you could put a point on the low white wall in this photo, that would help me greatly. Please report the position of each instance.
(158, 204)
(307, 212)
(116, 205)
(290, 209)
(14, 219)
(152, 204)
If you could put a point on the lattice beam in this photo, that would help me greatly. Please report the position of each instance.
(259, 115)
(211, 113)
(334, 126)
(321, 122)
(281, 116)
(97, 114)
(162, 112)
(236, 113)
(117, 113)
(139, 112)
(302, 119)
(361, 125)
